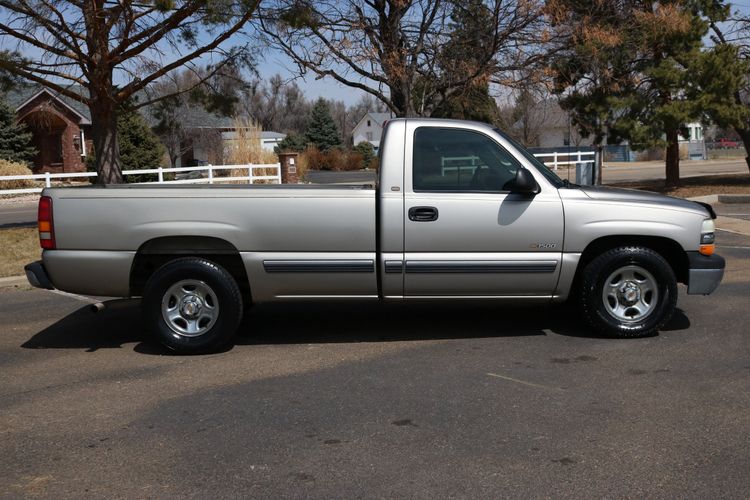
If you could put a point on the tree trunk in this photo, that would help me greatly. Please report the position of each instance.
(106, 146)
(744, 134)
(598, 164)
(673, 159)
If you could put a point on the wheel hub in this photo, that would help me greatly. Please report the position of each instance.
(630, 293)
(191, 306)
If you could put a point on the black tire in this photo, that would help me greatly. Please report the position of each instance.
(203, 298)
(644, 274)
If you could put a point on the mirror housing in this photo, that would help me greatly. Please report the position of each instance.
(524, 183)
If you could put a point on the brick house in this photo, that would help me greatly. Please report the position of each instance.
(60, 128)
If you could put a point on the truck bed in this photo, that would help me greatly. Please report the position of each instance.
(100, 229)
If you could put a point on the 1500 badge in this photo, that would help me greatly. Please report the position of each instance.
(543, 246)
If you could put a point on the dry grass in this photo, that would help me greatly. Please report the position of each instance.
(697, 186)
(18, 247)
(13, 168)
(246, 148)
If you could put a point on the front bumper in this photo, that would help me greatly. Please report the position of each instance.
(37, 275)
(704, 273)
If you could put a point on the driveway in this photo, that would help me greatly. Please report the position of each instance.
(417, 401)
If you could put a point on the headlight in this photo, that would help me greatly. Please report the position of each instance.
(708, 237)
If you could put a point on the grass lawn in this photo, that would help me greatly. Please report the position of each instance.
(18, 247)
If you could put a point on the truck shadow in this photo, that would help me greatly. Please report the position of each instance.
(310, 323)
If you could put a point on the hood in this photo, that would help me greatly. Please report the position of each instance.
(634, 196)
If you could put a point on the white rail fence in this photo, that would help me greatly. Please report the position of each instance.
(554, 160)
(566, 159)
(211, 176)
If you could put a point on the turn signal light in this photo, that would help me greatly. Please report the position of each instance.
(46, 226)
(707, 250)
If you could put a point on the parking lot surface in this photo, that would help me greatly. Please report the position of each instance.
(350, 401)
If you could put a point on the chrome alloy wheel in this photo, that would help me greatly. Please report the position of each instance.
(190, 308)
(630, 294)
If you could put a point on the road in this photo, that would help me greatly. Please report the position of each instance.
(639, 171)
(397, 401)
(18, 214)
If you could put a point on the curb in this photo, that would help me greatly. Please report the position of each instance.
(731, 225)
(734, 198)
(722, 198)
(13, 281)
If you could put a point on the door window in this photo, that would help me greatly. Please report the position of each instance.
(447, 159)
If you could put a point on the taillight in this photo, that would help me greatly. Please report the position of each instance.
(46, 226)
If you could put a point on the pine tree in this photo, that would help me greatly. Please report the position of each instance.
(365, 149)
(322, 130)
(292, 142)
(140, 148)
(471, 36)
(630, 70)
(15, 140)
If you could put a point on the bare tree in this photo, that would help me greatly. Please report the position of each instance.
(391, 49)
(103, 52)
(733, 36)
(276, 105)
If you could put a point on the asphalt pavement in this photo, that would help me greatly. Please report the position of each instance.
(18, 215)
(400, 401)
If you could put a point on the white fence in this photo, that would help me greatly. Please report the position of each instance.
(210, 176)
(566, 159)
(557, 160)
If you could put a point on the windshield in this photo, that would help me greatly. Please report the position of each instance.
(543, 169)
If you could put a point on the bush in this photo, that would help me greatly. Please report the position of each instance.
(336, 159)
(291, 143)
(314, 158)
(365, 149)
(16, 168)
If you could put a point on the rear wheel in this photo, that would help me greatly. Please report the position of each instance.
(192, 305)
(628, 292)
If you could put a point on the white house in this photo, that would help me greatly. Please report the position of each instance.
(268, 140)
(370, 129)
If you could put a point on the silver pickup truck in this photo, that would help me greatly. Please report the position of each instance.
(460, 212)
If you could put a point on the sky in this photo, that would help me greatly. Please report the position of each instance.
(276, 62)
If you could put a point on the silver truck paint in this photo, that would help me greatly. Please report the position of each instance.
(300, 242)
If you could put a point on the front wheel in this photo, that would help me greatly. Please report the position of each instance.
(192, 305)
(628, 292)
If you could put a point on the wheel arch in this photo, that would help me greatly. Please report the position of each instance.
(668, 248)
(156, 252)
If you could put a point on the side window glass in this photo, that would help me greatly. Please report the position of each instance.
(447, 159)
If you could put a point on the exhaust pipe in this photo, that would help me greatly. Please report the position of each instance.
(112, 304)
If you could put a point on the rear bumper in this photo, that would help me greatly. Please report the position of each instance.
(704, 273)
(37, 275)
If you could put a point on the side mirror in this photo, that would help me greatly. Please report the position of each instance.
(524, 183)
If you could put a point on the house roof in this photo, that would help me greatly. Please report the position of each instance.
(21, 95)
(272, 135)
(380, 118)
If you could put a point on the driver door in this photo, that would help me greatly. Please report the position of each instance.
(465, 233)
